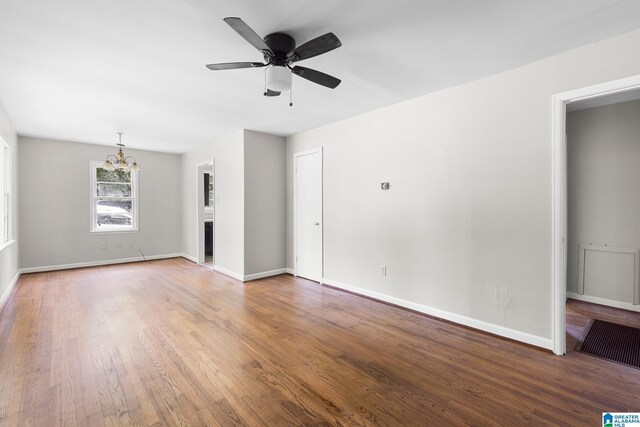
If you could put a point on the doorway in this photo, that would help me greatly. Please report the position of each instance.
(308, 220)
(559, 248)
(205, 213)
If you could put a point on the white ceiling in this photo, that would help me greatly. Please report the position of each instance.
(81, 70)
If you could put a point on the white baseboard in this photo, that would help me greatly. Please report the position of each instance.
(229, 273)
(189, 257)
(217, 268)
(242, 278)
(12, 287)
(446, 315)
(265, 274)
(95, 263)
(290, 271)
(603, 301)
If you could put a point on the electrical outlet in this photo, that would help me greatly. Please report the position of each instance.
(118, 244)
(383, 270)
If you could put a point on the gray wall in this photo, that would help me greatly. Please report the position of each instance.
(603, 151)
(265, 203)
(250, 205)
(466, 226)
(9, 263)
(228, 155)
(55, 201)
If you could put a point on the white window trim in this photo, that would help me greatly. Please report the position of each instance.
(92, 196)
(5, 196)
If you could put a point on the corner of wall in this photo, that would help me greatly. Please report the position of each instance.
(265, 204)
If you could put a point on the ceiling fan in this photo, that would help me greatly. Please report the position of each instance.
(280, 52)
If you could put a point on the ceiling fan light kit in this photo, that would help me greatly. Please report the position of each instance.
(278, 78)
(280, 52)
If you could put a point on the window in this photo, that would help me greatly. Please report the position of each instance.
(114, 199)
(5, 189)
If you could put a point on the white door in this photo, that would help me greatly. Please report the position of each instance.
(308, 215)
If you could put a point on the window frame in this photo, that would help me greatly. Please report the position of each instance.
(93, 197)
(5, 193)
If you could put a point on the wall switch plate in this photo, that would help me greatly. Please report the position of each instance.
(383, 270)
(118, 244)
(103, 245)
(384, 185)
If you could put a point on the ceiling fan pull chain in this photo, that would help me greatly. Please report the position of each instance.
(265, 81)
(291, 95)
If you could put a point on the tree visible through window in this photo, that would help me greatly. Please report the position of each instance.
(114, 199)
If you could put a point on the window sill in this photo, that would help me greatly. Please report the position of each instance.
(114, 231)
(6, 244)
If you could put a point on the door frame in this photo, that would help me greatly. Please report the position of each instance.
(200, 255)
(295, 213)
(559, 196)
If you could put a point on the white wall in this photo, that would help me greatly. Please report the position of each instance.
(466, 226)
(228, 155)
(265, 203)
(603, 151)
(55, 201)
(9, 263)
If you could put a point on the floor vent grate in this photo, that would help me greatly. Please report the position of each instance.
(618, 343)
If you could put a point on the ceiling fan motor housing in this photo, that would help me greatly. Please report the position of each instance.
(281, 45)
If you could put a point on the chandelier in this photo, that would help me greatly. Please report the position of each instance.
(120, 161)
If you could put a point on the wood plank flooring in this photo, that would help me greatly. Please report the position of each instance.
(579, 313)
(170, 343)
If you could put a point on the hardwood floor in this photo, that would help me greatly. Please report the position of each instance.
(170, 343)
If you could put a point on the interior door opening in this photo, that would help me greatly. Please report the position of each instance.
(603, 207)
(595, 257)
(205, 223)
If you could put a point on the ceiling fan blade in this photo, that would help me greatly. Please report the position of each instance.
(316, 76)
(272, 93)
(315, 47)
(234, 65)
(248, 34)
